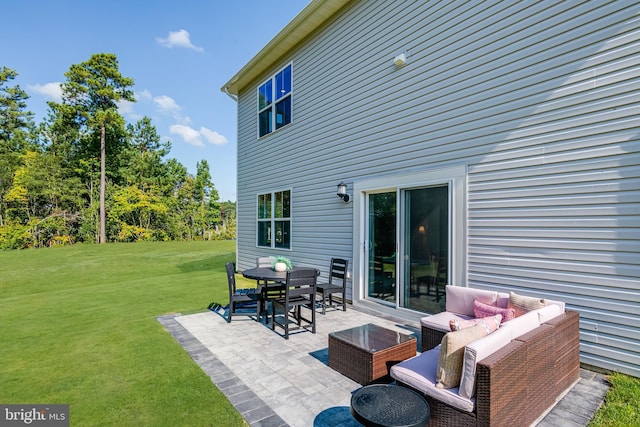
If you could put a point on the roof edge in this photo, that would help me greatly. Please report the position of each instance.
(314, 15)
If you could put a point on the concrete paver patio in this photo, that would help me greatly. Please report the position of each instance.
(276, 382)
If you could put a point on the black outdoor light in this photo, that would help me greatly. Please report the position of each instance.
(342, 192)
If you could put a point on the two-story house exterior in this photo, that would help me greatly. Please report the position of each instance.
(490, 144)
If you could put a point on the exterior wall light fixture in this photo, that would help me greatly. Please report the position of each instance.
(342, 192)
(400, 60)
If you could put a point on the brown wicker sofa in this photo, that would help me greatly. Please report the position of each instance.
(514, 383)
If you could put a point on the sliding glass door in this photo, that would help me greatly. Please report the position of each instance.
(425, 242)
(407, 247)
(381, 246)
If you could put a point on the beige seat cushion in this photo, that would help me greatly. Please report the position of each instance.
(523, 324)
(441, 321)
(475, 351)
(459, 299)
(549, 312)
(522, 304)
(419, 372)
(449, 369)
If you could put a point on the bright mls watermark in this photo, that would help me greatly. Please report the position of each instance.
(34, 415)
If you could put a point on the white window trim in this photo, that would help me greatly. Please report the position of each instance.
(273, 103)
(455, 176)
(272, 219)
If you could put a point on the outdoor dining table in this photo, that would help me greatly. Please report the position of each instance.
(265, 274)
(269, 279)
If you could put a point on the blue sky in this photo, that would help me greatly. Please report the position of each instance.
(178, 53)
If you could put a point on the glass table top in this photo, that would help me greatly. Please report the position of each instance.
(371, 337)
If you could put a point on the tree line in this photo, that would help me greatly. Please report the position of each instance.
(86, 175)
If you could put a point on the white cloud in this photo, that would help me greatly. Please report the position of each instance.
(124, 106)
(145, 94)
(178, 38)
(167, 104)
(194, 137)
(212, 136)
(190, 135)
(51, 90)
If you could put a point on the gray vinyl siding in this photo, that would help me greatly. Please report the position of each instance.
(540, 100)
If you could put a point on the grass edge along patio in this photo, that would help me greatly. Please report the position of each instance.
(79, 331)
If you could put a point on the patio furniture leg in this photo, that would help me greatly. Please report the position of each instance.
(324, 299)
(336, 284)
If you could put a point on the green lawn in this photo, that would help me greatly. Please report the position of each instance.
(621, 406)
(78, 327)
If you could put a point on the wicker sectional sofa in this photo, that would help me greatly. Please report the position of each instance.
(509, 377)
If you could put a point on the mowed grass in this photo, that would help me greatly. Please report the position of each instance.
(78, 326)
(621, 406)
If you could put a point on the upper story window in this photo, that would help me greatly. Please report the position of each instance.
(274, 102)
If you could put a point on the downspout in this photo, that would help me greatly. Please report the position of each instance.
(235, 98)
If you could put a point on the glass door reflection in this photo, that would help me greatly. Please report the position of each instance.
(425, 248)
(381, 245)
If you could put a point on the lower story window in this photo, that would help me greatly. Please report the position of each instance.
(274, 220)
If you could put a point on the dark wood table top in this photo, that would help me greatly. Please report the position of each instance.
(264, 273)
(268, 274)
(389, 405)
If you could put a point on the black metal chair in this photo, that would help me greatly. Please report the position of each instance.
(337, 284)
(241, 301)
(299, 291)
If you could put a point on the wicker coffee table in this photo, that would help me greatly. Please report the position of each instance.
(365, 353)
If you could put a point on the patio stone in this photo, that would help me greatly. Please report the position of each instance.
(275, 382)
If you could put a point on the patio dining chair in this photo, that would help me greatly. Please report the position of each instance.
(384, 283)
(267, 290)
(439, 279)
(337, 284)
(263, 262)
(299, 291)
(241, 301)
